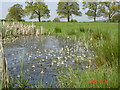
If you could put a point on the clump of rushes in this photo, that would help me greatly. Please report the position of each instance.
(75, 78)
(22, 81)
(16, 29)
(57, 30)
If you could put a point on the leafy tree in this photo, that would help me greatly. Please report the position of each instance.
(56, 20)
(67, 9)
(93, 9)
(16, 12)
(37, 9)
(116, 18)
(109, 9)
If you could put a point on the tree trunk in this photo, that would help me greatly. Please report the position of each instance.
(68, 18)
(3, 66)
(39, 18)
(94, 19)
(109, 18)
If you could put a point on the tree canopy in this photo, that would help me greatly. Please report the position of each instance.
(109, 9)
(16, 12)
(37, 9)
(93, 9)
(116, 18)
(67, 9)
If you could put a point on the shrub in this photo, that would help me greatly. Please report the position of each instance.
(49, 21)
(73, 20)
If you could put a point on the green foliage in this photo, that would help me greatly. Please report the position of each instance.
(67, 9)
(109, 9)
(116, 18)
(37, 10)
(93, 9)
(15, 12)
(73, 20)
(48, 20)
(56, 20)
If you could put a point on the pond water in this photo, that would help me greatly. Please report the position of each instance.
(42, 57)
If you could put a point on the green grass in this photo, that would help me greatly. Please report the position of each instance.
(77, 79)
(0, 84)
(104, 39)
(75, 26)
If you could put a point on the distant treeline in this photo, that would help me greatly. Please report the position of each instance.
(20, 20)
(108, 10)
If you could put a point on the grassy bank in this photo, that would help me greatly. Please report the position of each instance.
(106, 58)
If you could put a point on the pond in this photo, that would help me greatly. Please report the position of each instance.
(43, 56)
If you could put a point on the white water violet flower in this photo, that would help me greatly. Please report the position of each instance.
(33, 66)
(42, 72)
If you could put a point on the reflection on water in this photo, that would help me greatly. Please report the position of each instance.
(43, 55)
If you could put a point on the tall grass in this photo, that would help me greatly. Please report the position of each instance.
(105, 46)
(0, 84)
(76, 78)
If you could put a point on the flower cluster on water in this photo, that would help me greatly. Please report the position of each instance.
(75, 54)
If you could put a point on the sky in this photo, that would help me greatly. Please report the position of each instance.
(6, 4)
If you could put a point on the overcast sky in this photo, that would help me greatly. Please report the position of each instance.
(6, 4)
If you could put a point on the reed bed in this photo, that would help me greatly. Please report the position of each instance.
(17, 29)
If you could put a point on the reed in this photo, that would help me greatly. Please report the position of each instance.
(17, 29)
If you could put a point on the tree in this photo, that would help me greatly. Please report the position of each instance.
(109, 9)
(15, 12)
(37, 9)
(93, 9)
(56, 20)
(116, 18)
(67, 9)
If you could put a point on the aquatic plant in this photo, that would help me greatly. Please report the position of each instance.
(16, 29)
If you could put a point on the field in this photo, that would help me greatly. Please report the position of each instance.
(76, 28)
(99, 37)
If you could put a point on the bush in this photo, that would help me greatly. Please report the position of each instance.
(6, 20)
(73, 20)
(44, 21)
(21, 20)
(49, 21)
